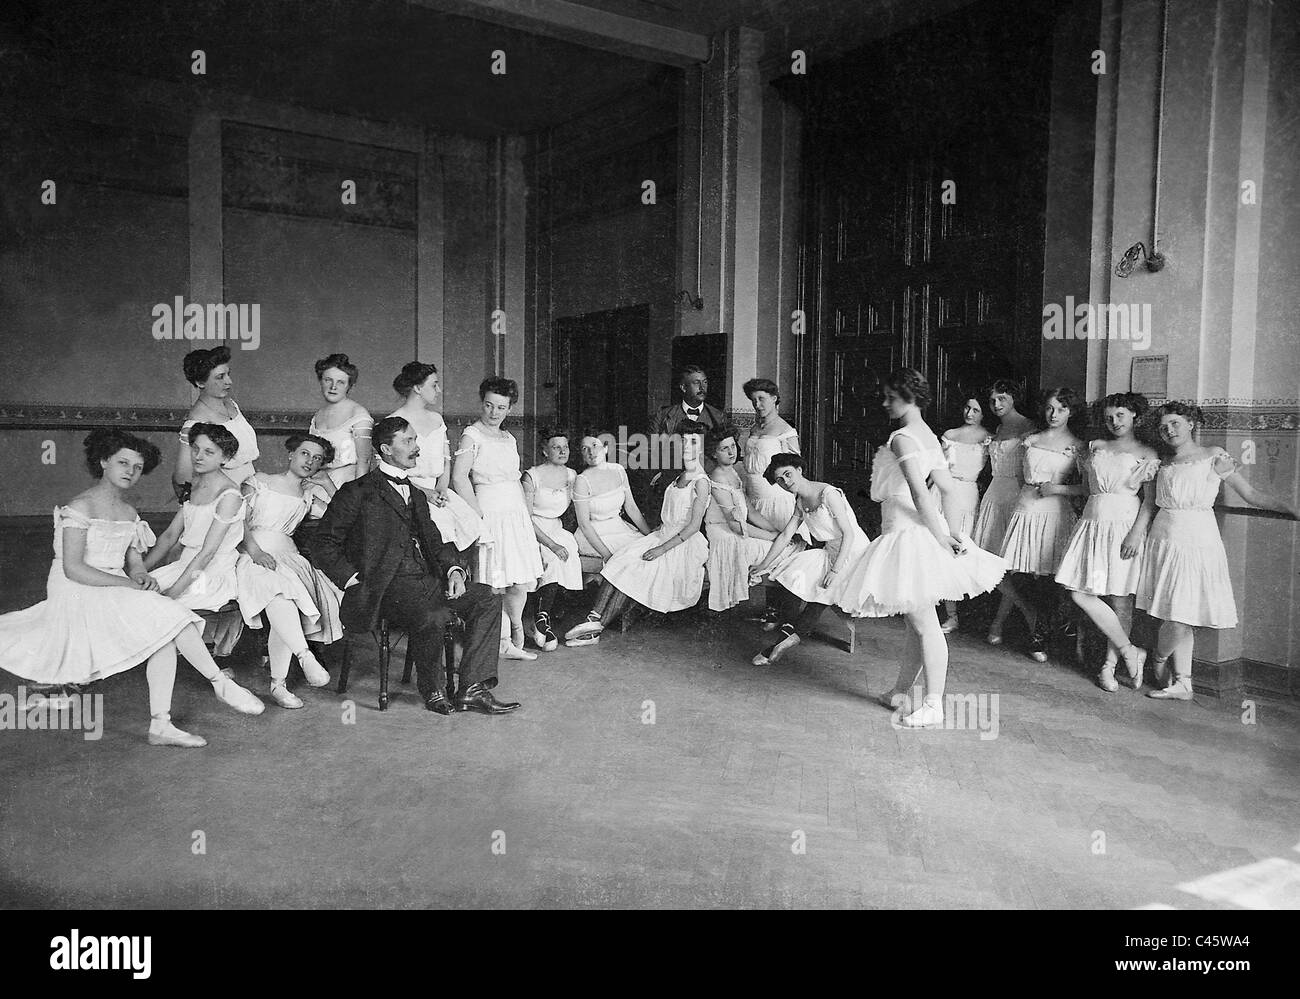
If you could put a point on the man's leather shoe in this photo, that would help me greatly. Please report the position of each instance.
(476, 697)
(438, 703)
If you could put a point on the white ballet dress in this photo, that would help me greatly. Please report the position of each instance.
(548, 507)
(605, 510)
(513, 555)
(764, 498)
(1040, 526)
(731, 555)
(1184, 575)
(271, 522)
(800, 570)
(344, 438)
(906, 569)
(1092, 562)
(222, 579)
(456, 522)
(675, 580)
(80, 633)
(240, 466)
(1007, 460)
(965, 462)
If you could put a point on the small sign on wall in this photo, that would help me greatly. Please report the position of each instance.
(1150, 376)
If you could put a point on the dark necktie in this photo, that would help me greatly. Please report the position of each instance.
(410, 493)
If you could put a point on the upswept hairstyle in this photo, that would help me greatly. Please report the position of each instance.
(780, 461)
(499, 386)
(226, 442)
(761, 385)
(103, 443)
(413, 373)
(295, 441)
(910, 385)
(341, 362)
(198, 364)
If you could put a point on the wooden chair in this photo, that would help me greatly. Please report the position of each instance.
(383, 638)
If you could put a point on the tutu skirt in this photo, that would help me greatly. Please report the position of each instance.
(906, 569)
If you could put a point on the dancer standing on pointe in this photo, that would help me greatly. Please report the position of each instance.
(1006, 455)
(548, 491)
(966, 448)
(103, 614)
(419, 386)
(736, 542)
(486, 475)
(1184, 580)
(665, 569)
(1103, 559)
(916, 562)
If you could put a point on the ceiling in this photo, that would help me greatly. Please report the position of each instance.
(405, 61)
(384, 60)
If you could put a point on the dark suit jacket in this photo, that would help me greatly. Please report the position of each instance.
(365, 531)
(670, 417)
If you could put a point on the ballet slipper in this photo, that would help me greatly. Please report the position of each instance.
(1134, 660)
(950, 625)
(511, 651)
(775, 652)
(167, 734)
(283, 696)
(1106, 679)
(243, 701)
(926, 716)
(316, 674)
(1179, 689)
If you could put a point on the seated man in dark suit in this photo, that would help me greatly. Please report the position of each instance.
(377, 542)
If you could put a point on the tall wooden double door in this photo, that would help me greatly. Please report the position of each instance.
(923, 229)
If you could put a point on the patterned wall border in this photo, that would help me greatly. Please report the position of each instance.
(1267, 418)
(55, 416)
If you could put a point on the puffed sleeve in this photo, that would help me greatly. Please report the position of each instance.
(143, 538)
(65, 516)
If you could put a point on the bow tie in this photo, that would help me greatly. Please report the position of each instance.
(694, 411)
(394, 479)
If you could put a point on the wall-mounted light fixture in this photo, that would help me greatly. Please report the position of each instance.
(1155, 260)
